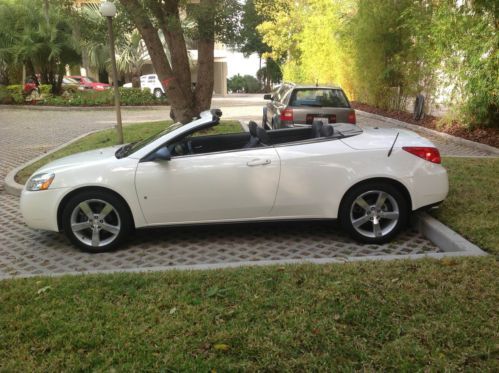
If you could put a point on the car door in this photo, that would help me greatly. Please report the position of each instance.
(221, 186)
(313, 178)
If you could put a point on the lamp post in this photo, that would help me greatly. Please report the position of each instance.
(108, 10)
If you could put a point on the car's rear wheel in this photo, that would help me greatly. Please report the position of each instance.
(374, 212)
(158, 93)
(96, 221)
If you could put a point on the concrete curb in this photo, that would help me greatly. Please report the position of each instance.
(81, 108)
(444, 237)
(414, 127)
(204, 267)
(13, 187)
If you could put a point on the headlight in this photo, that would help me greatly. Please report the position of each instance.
(40, 182)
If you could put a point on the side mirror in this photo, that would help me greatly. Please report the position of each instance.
(162, 154)
(267, 97)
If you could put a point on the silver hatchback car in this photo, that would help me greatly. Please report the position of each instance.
(299, 106)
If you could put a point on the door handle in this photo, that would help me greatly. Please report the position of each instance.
(259, 162)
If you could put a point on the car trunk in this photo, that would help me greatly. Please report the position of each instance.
(383, 138)
(307, 114)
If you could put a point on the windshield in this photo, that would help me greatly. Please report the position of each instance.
(90, 79)
(131, 148)
(319, 97)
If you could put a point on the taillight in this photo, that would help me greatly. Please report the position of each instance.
(351, 117)
(427, 153)
(287, 114)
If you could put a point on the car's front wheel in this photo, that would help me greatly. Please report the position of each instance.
(96, 221)
(374, 212)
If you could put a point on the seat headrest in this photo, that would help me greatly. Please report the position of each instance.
(263, 136)
(252, 126)
(327, 130)
(316, 128)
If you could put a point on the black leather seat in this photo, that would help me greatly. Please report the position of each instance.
(316, 128)
(263, 136)
(327, 131)
(253, 131)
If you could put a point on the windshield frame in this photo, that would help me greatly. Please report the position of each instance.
(136, 146)
(206, 119)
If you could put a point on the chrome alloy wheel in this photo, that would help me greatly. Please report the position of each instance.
(374, 214)
(95, 222)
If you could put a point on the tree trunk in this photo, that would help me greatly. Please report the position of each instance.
(182, 102)
(135, 78)
(205, 83)
(206, 57)
(176, 77)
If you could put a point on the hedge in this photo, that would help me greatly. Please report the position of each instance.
(129, 96)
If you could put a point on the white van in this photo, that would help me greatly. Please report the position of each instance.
(152, 82)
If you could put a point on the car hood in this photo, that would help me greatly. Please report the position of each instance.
(383, 138)
(92, 156)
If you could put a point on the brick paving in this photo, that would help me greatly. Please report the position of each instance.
(25, 134)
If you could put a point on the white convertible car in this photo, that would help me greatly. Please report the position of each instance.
(369, 179)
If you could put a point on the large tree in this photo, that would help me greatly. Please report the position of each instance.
(201, 23)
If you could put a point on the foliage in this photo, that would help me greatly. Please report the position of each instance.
(250, 40)
(385, 52)
(104, 138)
(246, 83)
(38, 35)
(407, 316)
(92, 34)
(45, 89)
(14, 94)
(132, 56)
(128, 96)
(269, 74)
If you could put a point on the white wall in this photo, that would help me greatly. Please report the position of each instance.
(238, 64)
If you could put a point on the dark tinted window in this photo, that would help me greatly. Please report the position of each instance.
(319, 97)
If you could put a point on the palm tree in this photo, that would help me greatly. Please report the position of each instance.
(131, 56)
(45, 47)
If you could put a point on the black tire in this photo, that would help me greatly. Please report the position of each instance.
(119, 219)
(158, 93)
(386, 227)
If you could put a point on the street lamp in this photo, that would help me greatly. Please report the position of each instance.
(108, 10)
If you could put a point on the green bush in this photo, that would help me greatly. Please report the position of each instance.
(246, 83)
(137, 96)
(45, 89)
(129, 96)
(4, 96)
(15, 92)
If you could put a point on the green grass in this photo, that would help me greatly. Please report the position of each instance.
(472, 207)
(424, 315)
(101, 139)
